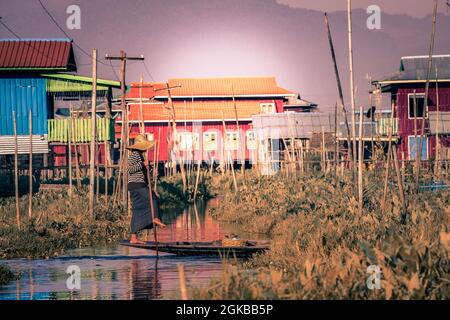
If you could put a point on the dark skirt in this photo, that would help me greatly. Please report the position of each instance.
(142, 213)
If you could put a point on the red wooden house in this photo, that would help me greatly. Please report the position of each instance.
(409, 82)
(202, 108)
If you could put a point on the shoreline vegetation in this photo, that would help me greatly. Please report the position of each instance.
(323, 249)
(59, 224)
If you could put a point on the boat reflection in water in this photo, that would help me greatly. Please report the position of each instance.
(117, 272)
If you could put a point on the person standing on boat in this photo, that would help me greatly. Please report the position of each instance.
(138, 186)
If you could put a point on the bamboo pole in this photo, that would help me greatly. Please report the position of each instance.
(427, 86)
(106, 164)
(155, 169)
(241, 144)
(388, 164)
(93, 133)
(360, 162)
(229, 156)
(141, 109)
(352, 80)
(30, 200)
(324, 163)
(74, 137)
(196, 180)
(97, 173)
(70, 160)
(418, 152)
(16, 170)
(341, 97)
(399, 176)
(438, 156)
(335, 141)
(152, 207)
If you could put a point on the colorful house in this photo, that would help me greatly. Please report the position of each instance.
(213, 116)
(38, 75)
(409, 83)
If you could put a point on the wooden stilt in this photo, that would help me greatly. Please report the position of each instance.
(30, 201)
(93, 133)
(16, 170)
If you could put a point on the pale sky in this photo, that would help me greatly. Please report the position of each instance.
(415, 8)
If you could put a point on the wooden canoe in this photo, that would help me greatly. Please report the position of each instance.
(212, 248)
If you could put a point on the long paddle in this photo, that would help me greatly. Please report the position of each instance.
(151, 204)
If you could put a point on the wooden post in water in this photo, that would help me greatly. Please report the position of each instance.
(182, 278)
(16, 170)
(93, 133)
(30, 200)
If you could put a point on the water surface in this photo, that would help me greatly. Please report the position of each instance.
(118, 272)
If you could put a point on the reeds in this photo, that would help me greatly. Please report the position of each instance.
(322, 248)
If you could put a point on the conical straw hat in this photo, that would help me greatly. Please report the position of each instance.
(141, 143)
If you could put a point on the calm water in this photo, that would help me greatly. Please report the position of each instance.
(117, 272)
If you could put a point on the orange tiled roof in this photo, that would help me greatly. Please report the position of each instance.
(148, 89)
(223, 86)
(199, 110)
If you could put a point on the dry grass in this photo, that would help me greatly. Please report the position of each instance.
(322, 247)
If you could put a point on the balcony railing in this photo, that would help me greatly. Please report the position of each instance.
(58, 130)
(383, 125)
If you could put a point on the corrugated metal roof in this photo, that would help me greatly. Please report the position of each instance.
(292, 125)
(36, 54)
(7, 144)
(416, 68)
(198, 110)
(251, 86)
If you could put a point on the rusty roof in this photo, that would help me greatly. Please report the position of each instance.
(40, 54)
(196, 111)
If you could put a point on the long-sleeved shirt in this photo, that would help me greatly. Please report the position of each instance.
(137, 171)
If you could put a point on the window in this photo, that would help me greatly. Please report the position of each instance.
(209, 141)
(232, 141)
(414, 144)
(251, 140)
(187, 141)
(267, 107)
(420, 105)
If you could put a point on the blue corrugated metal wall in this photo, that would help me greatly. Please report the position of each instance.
(20, 94)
